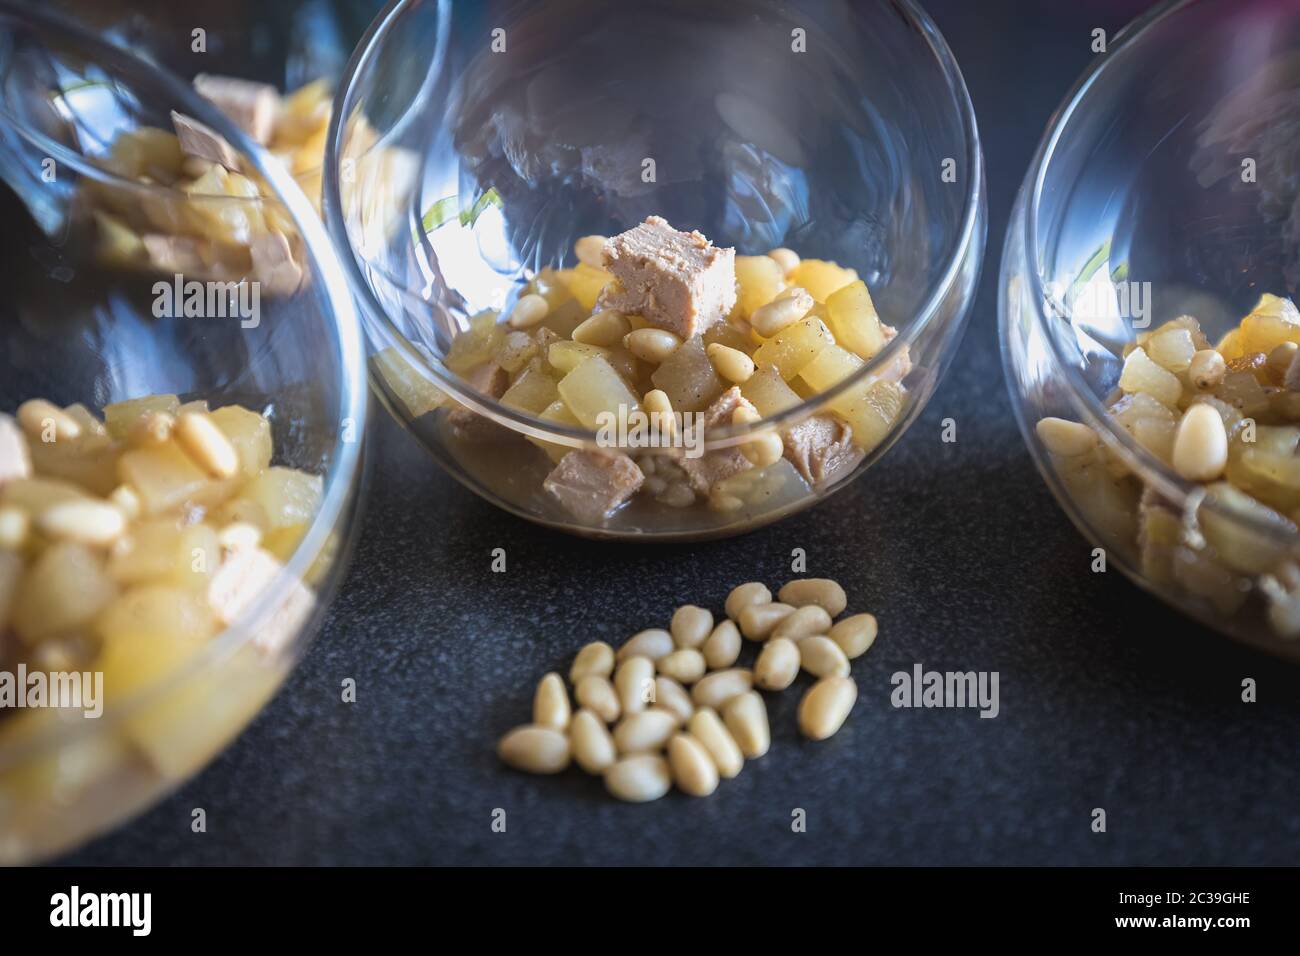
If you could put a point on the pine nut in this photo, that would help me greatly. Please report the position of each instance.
(723, 646)
(657, 404)
(778, 314)
(693, 769)
(1200, 444)
(777, 665)
(685, 666)
(591, 743)
(758, 620)
(743, 595)
(787, 259)
(590, 250)
(639, 778)
(528, 311)
(535, 749)
(594, 658)
(855, 634)
(1207, 369)
(605, 329)
(804, 622)
(152, 428)
(1066, 439)
(826, 706)
(691, 625)
(83, 520)
(206, 444)
(634, 682)
(725, 503)
(746, 718)
(823, 592)
(597, 694)
(732, 364)
(653, 345)
(14, 526)
(678, 495)
(719, 687)
(708, 729)
(39, 417)
(822, 657)
(646, 731)
(653, 643)
(551, 703)
(124, 498)
(764, 451)
(673, 697)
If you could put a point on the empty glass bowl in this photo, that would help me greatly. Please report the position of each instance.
(1166, 186)
(79, 327)
(475, 142)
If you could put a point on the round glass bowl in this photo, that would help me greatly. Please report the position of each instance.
(475, 142)
(78, 326)
(1165, 187)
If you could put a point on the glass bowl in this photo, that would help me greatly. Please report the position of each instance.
(841, 130)
(1165, 187)
(76, 329)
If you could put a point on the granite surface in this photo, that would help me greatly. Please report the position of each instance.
(1108, 699)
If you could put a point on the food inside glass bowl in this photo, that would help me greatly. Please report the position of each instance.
(1225, 417)
(128, 544)
(657, 340)
(195, 232)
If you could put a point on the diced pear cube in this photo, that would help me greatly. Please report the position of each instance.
(821, 278)
(250, 433)
(476, 344)
(288, 496)
(791, 349)
(1152, 424)
(688, 378)
(120, 417)
(594, 388)
(767, 391)
(565, 356)
(852, 318)
(531, 392)
(585, 284)
(758, 280)
(166, 479)
(1172, 349)
(164, 551)
(832, 365)
(149, 634)
(1141, 374)
(417, 393)
(559, 413)
(871, 411)
(64, 589)
(1274, 320)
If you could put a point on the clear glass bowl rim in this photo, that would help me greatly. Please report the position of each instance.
(1091, 409)
(344, 462)
(345, 101)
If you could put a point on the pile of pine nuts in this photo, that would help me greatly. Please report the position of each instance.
(664, 734)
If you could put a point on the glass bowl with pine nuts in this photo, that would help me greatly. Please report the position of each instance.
(177, 485)
(664, 270)
(1148, 325)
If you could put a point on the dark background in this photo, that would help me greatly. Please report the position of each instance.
(1108, 699)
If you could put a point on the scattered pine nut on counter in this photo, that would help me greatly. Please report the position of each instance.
(674, 706)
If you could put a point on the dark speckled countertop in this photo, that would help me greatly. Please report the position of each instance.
(1108, 699)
